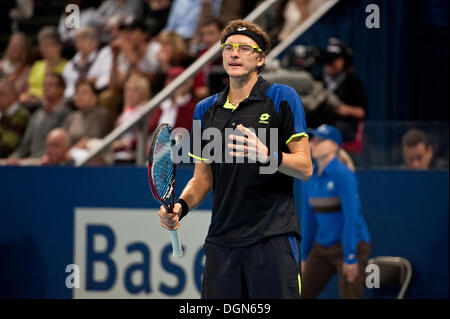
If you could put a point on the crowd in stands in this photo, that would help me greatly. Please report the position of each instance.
(67, 88)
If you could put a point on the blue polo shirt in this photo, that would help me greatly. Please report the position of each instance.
(331, 211)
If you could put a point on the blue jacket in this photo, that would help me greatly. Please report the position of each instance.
(331, 211)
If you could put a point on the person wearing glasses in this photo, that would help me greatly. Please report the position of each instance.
(252, 246)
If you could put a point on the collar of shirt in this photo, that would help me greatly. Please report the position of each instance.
(329, 169)
(257, 93)
(77, 58)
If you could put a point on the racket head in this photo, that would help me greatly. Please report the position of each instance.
(161, 166)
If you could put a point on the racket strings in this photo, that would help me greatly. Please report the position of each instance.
(163, 167)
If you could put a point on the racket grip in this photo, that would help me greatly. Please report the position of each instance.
(176, 244)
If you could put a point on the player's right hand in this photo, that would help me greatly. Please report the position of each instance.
(170, 221)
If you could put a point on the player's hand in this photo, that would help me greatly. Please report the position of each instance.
(350, 271)
(250, 146)
(170, 221)
(303, 266)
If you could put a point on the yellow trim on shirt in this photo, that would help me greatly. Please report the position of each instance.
(229, 106)
(198, 158)
(296, 135)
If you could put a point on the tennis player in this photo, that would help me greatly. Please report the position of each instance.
(252, 247)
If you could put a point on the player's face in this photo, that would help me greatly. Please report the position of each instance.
(321, 148)
(237, 64)
(418, 157)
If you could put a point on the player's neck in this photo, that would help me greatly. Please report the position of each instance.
(240, 88)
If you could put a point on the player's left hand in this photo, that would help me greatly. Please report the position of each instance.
(250, 146)
(350, 271)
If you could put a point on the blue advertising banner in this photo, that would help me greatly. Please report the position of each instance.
(93, 232)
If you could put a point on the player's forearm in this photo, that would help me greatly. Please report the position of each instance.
(195, 192)
(297, 165)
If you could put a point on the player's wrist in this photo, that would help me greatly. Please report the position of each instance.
(184, 207)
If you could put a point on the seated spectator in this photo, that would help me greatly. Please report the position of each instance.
(56, 148)
(50, 115)
(88, 18)
(110, 97)
(418, 152)
(295, 12)
(339, 78)
(210, 35)
(174, 52)
(110, 8)
(15, 65)
(156, 15)
(50, 48)
(137, 93)
(130, 53)
(183, 17)
(79, 68)
(13, 119)
(137, 53)
(178, 109)
(90, 120)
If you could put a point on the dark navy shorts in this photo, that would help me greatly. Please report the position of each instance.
(269, 269)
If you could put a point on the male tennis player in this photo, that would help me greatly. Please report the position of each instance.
(252, 246)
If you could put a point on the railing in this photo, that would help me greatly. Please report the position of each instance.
(140, 118)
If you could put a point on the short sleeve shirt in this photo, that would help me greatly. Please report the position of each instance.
(249, 206)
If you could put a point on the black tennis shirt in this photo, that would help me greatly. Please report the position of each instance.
(249, 206)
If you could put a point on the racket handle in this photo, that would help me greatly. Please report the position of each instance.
(176, 244)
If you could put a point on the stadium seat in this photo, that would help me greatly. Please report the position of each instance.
(394, 272)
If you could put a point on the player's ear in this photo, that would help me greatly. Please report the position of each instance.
(261, 59)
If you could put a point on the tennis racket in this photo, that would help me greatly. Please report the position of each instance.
(161, 174)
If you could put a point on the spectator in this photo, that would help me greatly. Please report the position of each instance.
(156, 15)
(295, 12)
(15, 65)
(335, 235)
(49, 116)
(110, 97)
(418, 152)
(110, 8)
(13, 119)
(88, 18)
(131, 53)
(80, 67)
(50, 48)
(137, 53)
(339, 78)
(174, 52)
(178, 109)
(56, 148)
(210, 36)
(137, 93)
(183, 17)
(90, 120)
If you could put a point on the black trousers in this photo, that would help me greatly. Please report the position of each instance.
(269, 269)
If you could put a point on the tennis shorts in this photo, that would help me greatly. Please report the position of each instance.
(268, 269)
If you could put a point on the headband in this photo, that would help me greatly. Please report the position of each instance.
(254, 36)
